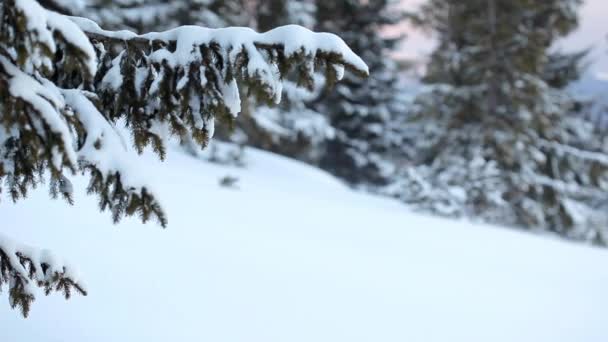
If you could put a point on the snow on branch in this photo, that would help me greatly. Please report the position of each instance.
(191, 76)
(186, 78)
(291, 39)
(575, 152)
(42, 33)
(560, 186)
(37, 130)
(44, 107)
(114, 171)
(23, 267)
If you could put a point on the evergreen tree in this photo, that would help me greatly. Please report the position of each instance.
(365, 144)
(66, 84)
(158, 15)
(272, 13)
(497, 135)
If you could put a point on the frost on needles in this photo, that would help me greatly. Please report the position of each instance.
(65, 84)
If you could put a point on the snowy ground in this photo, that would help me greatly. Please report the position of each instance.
(292, 255)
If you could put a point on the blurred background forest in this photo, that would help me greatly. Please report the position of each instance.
(493, 110)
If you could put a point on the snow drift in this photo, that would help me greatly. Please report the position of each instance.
(290, 254)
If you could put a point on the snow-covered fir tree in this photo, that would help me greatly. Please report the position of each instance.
(158, 15)
(497, 137)
(362, 113)
(269, 13)
(66, 85)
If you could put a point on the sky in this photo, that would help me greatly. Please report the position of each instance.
(593, 32)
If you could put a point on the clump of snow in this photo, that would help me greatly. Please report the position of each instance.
(113, 78)
(232, 97)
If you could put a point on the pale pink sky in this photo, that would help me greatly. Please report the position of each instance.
(593, 31)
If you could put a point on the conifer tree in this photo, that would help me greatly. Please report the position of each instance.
(362, 113)
(498, 136)
(159, 15)
(271, 13)
(66, 84)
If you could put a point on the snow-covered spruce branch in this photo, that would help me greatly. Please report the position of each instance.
(65, 83)
(559, 186)
(188, 77)
(22, 267)
(292, 41)
(575, 152)
(112, 166)
(99, 149)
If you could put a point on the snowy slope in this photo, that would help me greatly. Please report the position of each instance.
(293, 255)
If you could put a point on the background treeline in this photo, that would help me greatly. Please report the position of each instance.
(492, 132)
